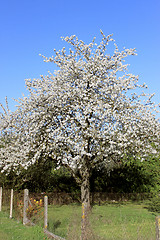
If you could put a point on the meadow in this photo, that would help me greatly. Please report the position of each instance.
(110, 221)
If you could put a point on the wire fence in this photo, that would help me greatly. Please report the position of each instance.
(60, 215)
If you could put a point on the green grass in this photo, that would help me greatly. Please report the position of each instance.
(11, 229)
(61, 219)
(123, 222)
(108, 222)
(112, 221)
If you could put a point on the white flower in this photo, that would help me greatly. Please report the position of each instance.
(90, 108)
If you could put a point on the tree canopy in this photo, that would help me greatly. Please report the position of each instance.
(90, 112)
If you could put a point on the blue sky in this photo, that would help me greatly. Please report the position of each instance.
(28, 28)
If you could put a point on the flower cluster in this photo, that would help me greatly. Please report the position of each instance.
(34, 210)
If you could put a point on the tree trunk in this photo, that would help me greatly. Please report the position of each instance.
(85, 198)
(85, 191)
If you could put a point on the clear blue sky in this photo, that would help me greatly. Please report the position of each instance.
(30, 27)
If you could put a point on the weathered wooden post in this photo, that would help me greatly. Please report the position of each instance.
(0, 199)
(45, 212)
(158, 228)
(11, 204)
(26, 199)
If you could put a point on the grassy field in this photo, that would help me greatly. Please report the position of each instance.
(11, 229)
(128, 221)
(112, 221)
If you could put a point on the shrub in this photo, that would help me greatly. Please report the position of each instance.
(154, 204)
(34, 210)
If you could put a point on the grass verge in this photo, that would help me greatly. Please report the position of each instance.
(11, 229)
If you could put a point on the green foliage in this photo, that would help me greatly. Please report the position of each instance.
(154, 204)
(131, 176)
(41, 177)
(36, 177)
(63, 180)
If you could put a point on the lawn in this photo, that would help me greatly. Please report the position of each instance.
(11, 229)
(130, 221)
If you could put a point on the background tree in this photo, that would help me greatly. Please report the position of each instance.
(87, 113)
(128, 177)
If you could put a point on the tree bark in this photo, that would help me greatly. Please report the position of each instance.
(85, 189)
(85, 198)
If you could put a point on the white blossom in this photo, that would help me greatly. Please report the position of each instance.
(88, 112)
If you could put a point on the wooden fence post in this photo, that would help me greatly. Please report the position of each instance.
(11, 204)
(26, 199)
(158, 228)
(0, 199)
(45, 212)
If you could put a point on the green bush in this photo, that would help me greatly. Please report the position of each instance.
(154, 204)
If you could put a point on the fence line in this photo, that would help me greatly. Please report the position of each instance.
(26, 202)
(26, 221)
